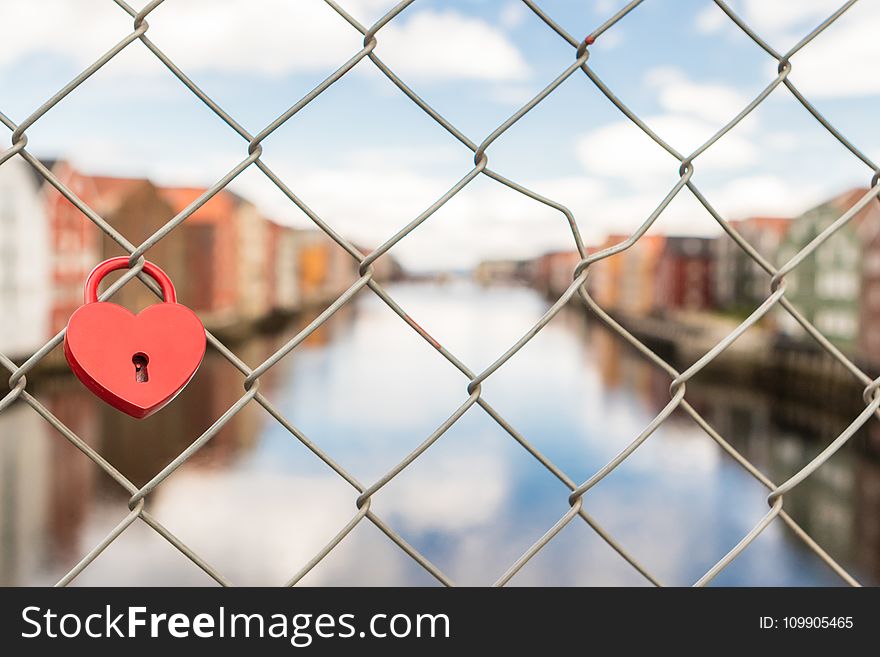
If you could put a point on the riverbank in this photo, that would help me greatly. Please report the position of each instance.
(793, 374)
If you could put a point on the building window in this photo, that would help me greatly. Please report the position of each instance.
(837, 323)
(837, 284)
(849, 252)
(826, 256)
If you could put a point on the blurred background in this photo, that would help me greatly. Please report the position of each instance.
(137, 147)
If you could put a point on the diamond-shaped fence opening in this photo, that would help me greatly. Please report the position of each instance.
(364, 282)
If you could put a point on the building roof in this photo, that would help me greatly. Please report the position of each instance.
(778, 225)
(866, 221)
(218, 207)
(567, 253)
(111, 191)
(847, 199)
(111, 185)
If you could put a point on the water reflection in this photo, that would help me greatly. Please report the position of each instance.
(257, 504)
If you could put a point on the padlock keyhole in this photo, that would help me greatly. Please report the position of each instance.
(141, 360)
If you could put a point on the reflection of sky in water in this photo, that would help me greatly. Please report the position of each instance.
(476, 500)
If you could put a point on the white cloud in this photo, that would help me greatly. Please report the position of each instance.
(842, 61)
(516, 95)
(782, 141)
(710, 19)
(472, 48)
(204, 35)
(608, 7)
(777, 19)
(694, 111)
(764, 194)
(612, 38)
(714, 102)
(781, 17)
(838, 63)
(513, 14)
(620, 149)
(394, 157)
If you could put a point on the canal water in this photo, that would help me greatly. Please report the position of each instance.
(257, 505)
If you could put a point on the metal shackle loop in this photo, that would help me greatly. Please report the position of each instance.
(121, 262)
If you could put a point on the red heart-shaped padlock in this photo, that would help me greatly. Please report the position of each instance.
(136, 363)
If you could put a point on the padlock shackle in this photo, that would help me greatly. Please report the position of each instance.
(121, 262)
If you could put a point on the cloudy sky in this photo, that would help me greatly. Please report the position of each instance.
(367, 160)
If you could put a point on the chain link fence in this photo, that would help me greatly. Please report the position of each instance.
(363, 493)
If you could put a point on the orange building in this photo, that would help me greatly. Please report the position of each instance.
(625, 281)
(228, 246)
(326, 270)
(606, 275)
(638, 275)
(210, 238)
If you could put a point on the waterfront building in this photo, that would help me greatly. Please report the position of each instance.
(553, 272)
(25, 261)
(684, 275)
(326, 269)
(638, 273)
(136, 209)
(741, 283)
(836, 288)
(284, 288)
(210, 239)
(75, 241)
(605, 277)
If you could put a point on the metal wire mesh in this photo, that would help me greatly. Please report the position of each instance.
(363, 500)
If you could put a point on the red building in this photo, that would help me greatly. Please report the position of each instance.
(553, 272)
(75, 241)
(211, 252)
(684, 275)
(132, 206)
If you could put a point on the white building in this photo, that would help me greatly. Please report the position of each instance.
(25, 286)
(285, 269)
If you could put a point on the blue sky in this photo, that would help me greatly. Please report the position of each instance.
(368, 160)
